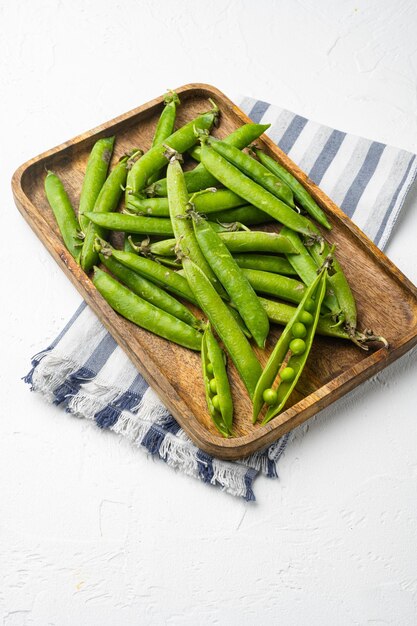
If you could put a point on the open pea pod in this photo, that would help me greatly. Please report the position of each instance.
(216, 382)
(296, 339)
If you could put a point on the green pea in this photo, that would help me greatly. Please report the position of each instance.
(216, 402)
(287, 374)
(306, 318)
(213, 386)
(297, 346)
(270, 396)
(209, 369)
(299, 330)
(309, 305)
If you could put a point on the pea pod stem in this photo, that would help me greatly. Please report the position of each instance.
(64, 214)
(95, 175)
(199, 177)
(144, 314)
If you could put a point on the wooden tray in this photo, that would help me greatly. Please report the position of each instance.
(387, 300)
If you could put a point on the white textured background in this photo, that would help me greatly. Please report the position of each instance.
(95, 533)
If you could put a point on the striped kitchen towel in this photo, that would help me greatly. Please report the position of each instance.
(86, 372)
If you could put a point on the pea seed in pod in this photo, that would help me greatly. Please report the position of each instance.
(299, 330)
(306, 318)
(287, 374)
(297, 346)
(269, 396)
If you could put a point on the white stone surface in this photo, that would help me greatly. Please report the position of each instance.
(93, 532)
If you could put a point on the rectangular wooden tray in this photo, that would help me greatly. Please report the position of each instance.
(387, 300)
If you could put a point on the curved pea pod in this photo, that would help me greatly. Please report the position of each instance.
(298, 352)
(225, 325)
(233, 280)
(199, 178)
(64, 214)
(232, 178)
(306, 267)
(300, 193)
(165, 125)
(106, 202)
(153, 160)
(149, 291)
(155, 272)
(255, 170)
(216, 383)
(95, 175)
(144, 314)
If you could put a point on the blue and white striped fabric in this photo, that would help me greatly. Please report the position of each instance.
(86, 372)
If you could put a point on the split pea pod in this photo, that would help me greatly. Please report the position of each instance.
(155, 272)
(295, 341)
(144, 314)
(182, 225)
(95, 175)
(231, 176)
(255, 170)
(149, 291)
(199, 178)
(153, 160)
(64, 214)
(233, 280)
(306, 267)
(165, 125)
(216, 383)
(106, 202)
(239, 241)
(225, 324)
(300, 193)
(212, 201)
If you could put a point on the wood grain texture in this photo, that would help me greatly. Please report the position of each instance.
(387, 300)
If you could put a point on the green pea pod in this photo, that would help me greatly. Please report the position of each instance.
(276, 285)
(232, 178)
(300, 193)
(165, 125)
(95, 175)
(214, 200)
(216, 383)
(233, 280)
(122, 222)
(246, 214)
(339, 285)
(155, 272)
(155, 159)
(283, 346)
(240, 138)
(107, 201)
(149, 291)
(64, 214)
(306, 267)
(226, 326)
(144, 314)
(265, 263)
(182, 226)
(255, 170)
(241, 241)
(199, 178)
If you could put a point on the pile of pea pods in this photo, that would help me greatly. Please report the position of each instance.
(189, 237)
